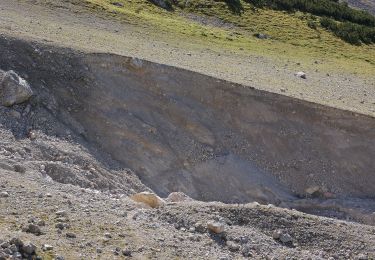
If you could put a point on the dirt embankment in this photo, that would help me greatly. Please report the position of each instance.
(183, 131)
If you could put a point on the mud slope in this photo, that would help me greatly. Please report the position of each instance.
(183, 131)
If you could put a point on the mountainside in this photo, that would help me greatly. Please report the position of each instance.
(368, 5)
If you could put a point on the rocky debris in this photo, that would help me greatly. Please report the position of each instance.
(118, 4)
(165, 4)
(261, 36)
(13, 89)
(216, 227)
(233, 246)
(61, 213)
(314, 192)
(33, 229)
(127, 252)
(71, 235)
(47, 247)
(301, 75)
(148, 198)
(17, 249)
(178, 197)
(282, 237)
(19, 168)
(4, 194)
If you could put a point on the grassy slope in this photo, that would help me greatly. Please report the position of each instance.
(291, 40)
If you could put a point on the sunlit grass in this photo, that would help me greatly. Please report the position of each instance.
(291, 37)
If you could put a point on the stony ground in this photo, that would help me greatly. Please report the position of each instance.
(95, 220)
(76, 223)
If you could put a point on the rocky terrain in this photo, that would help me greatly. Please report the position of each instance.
(104, 156)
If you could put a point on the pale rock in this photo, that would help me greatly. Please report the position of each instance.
(148, 198)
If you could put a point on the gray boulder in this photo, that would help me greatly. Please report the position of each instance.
(13, 89)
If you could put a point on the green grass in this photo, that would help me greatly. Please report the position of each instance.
(291, 37)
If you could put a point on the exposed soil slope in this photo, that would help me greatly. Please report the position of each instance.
(183, 131)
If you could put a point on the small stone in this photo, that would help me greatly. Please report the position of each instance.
(178, 197)
(17, 255)
(33, 229)
(47, 247)
(127, 252)
(99, 250)
(149, 199)
(29, 248)
(16, 241)
(71, 235)
(41, 223)
(314, 192)
(19, 168)
(246, 251)
(286, 238)
(60, 226)
(276, 234)
(61, 213)
(4, 245)
(15, 114)
(215, 227)
(300, 74)
(107, 235)
(233, 246)
(199, 227)
(32, 135)
(4, 194)
(13, 248)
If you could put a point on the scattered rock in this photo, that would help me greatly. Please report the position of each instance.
(127, 252)
(149, 199)
(4, 194)
(19, 168)
(29, 248)
(300, 74)
(286, 238)
(71, 235)
(276, 234)
(216, 227)
(314, 192)
(118, 4)
(13, 89)
(261, 36)
(178, 197)
(33, 229)
(15, 114)
(46, 247)
(61, 213)
(233, 246)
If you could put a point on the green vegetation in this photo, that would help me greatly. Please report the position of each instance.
(351, 25)
(350, 32)
(330, 8)
(213, 24)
